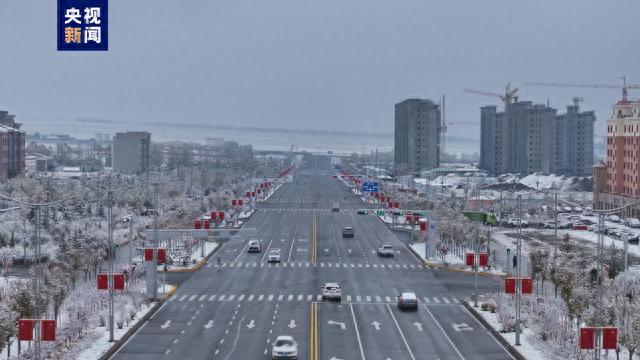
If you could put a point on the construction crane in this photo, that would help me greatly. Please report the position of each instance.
(509, 96)
(624, 86)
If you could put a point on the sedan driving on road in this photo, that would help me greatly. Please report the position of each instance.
(273, 256)
(408, 300)
(284, 348)
(362, 212)
(347, 231)
(385, 251)
(254, 246)
(331, 291)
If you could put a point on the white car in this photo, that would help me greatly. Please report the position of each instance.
(613, 218)
(408, 300)
(273, 256)
(254, 246)
(284, 348)
(632, 222)
(385, 251)
(331, 291)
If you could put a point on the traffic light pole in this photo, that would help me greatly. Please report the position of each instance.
(518, 270)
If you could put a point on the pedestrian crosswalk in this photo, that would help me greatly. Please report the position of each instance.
(303, 264)
(299, 297)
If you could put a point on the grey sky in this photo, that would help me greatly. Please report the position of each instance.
(329, 64)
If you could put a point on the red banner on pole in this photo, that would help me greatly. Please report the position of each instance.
(48, 330)
(25, 330)
(396, 205)
(221, 215)
(471, 257)
(240, 202)
(213, 216)
(526, 286)
(205, 224)
(148, 254)
(234, 202)
(118, 281)
(162, 256)
(247, 194)
(253, 194)
(587, 338)
(416, 218)
(423, 226)
(609, 338)
(197, 224)
(484, 259)
(510, 285)
(103, 282)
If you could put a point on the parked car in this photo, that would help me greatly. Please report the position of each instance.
(577, 209)
(566, 208)
(549, 225)
(331, 291)
(585, 222)
(633, 239)
(254, 246)
(385, 251)
(565, 225)
(284, 348)
(362, 212)
(632, 222)
(580, 227)
(514, 222)
(613, 218)
(587, 212)
(408, 300)
(273, 256)
(347, 232)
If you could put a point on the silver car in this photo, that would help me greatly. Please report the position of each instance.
(273, 256)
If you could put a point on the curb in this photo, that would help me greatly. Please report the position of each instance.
(512, 351)
(120, 342)
(198, 265)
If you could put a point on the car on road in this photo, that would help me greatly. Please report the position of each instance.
(254, 246)
(385, 251)
(284, 348)
(580, 227)
(335, 207)
(331, 291)
(362, 212)
(408, 300)
(347, 232)
(273, 256)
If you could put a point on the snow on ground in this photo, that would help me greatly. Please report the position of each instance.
(529, 349)
(196, 256)
(451, 260)
(5, 281)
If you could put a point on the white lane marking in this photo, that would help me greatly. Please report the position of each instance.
(337, 265)
(182, 297)
(375, 265)
(368, 298)
(378, 299)
(300, 297)
(352, 266)
(309, 297)
(319, 298)
(280, 297)
(321, 264)
(426, 299)
(290, 297)
(348, 298)
(413, 266)
(355, 324)
(261, 264)
(250, 298)
(255, 264)
(231, 297)
(221, 298)
(202, 297)
(193, 297)
(401, 333)
(270, 298)
(359, 265)
(367, 265)
(404, 265)
(330, 264)
(436, 300)
(456, 301)
(398, 266)
(446, 300)
(212, 297)
(443, 332)
(241, 297)
(358, 298)
(387, 299)
(307, 264)
(260, 297)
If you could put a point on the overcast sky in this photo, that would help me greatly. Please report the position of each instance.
(322, 64)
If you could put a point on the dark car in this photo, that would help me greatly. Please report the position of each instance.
(347, 231)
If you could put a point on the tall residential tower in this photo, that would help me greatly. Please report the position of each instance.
(416, 136)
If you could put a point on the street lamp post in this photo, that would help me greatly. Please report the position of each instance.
(518, 271)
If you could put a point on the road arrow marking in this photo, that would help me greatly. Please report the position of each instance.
(418, 325)
(251, 324)
(208, 325)
(335, 358)
(461, 327)
(292, 324)
(302, 249)
(376, 325)
(166, 324)
(349, 250)
(341, 324)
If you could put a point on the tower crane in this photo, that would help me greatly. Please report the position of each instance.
(624, 86)
(509, 96)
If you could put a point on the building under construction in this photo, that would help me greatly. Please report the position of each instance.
(528, 138)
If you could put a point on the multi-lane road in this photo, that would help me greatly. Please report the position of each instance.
(235, 310)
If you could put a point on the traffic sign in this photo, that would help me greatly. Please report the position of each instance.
(370, 186)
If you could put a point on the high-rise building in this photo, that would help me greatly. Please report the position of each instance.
(623, 159)
(131, 152)
(12, 147)
(530, 138)
(416, 136)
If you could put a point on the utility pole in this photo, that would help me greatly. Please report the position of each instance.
(555, 224)
(111, 258)
(518, 271)
(476, 254)
(598, 317)
(155, 243)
